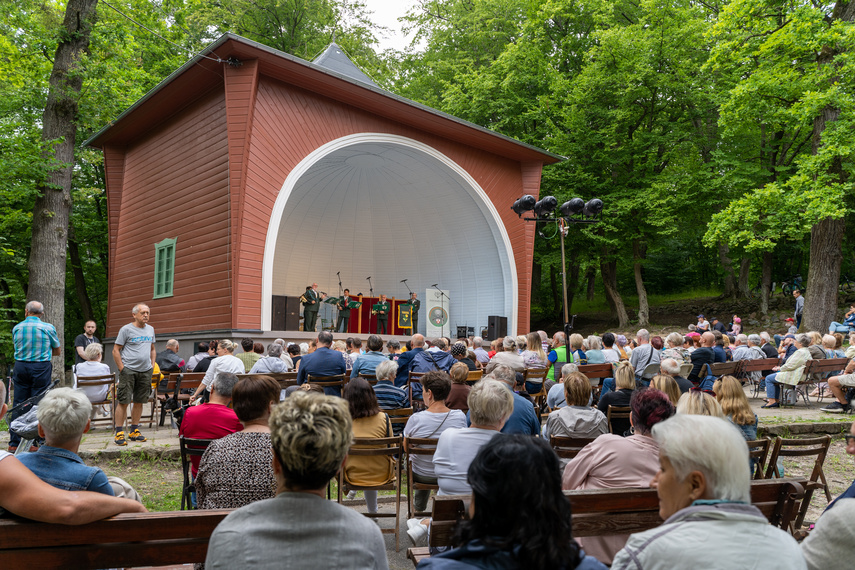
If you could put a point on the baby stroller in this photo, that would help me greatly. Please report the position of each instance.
(22, 419)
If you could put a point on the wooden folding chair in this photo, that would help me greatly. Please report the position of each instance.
(415, 378)
(422, 446)
(110, 399)
(370, 378)
(816, 446)
(398, 418)
(336, 381)
(534, 374)
(374, 447)
(758, 450)
(568, 447)
(617, 413)
(650, 371)
(474, 376)
(595, 374)
(189, 446)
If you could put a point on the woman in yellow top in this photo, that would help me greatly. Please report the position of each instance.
(368, 422)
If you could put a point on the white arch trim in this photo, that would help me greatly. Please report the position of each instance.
(306, 164)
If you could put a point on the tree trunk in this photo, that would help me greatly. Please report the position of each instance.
(639, 252)
(766, 283)
(744, 272)
(591, 277)
(53, 206)
(79, 277)
(826, 255)
(727, 266)
(608, 271)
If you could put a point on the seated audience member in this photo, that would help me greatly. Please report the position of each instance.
(577, 348)
(201, 352)
(644, 355)
(461, 354)
(93, 366)
(205, 363)
(703, 355)
(667, 385)
(23, 494)
(790, 373)
(249, 357)
(63, 416)
(792, 329)
(168, 359)
(226, 361)
(298, 528)
(577, 418)
(433, 358)
(272, 363)
(354, 352)
(366, 364)
(702, 325)
(459, 395)
(558, 354)
(674, 349)
(236, 470)
(717, 326)
(595, 355)
(389, 396)
(831, 544)
(610, 354)
(612, 461)
(840, 384)
(848, 324)
(508, 355)
(555, 397)
(534, 357)
(368, 422)
(705, 500)
(720, 348)
(735, 406)
(429, 424)
(519, 518)
(625, 384)
(699, 403)
(324, 361)
(622, 346)
(670, 367)
(214, 419)
(490, 406)
(394, 348)
(292, 354)
(481, 355)
(495, 346)
(735, 326)
(523, 419)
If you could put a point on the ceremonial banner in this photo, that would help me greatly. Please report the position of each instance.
(437, 313)
(405, 316)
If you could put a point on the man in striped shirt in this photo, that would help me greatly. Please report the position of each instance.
(389, 396)
(35, 343)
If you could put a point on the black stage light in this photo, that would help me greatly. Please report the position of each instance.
(572, 208)
(593, 208)
(524, 204)
(544, 206)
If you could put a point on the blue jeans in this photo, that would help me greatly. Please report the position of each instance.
(838, 327)
(609, 385)
(28, 378)
(773, 387)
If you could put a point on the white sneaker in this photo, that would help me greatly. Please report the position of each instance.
(351, 495)
(418, 533)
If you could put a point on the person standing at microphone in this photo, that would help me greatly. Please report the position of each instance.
(343, 312)
(416, 306)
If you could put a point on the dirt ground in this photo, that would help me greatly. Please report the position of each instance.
(839, 472)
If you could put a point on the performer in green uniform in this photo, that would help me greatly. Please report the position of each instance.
(382, 314)
(416, 306)
(343, 312)
(311, 303)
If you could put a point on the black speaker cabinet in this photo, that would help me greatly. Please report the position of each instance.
(496, 327)
(286, 313)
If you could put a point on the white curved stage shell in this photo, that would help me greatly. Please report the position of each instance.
(392, 208)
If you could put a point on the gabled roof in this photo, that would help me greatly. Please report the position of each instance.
(204, 72)
(334, 59)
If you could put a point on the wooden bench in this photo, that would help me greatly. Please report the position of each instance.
(596, 373)
(285, 379)
(758, 365)
(603, 512)
(817, 370)
(124, 541)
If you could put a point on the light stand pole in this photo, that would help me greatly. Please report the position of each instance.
(574, 211)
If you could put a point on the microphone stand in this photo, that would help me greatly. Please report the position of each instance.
(370, 310)
(442, 306)
(340, 293)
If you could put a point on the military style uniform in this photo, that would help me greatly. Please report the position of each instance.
(415, 317)
(383, 316)
(343, 314)
(310, 311)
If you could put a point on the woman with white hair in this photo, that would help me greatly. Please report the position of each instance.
(226, 361)
(90, 368)
(790, 373)
(595, 355)
(674, 349)
(704, 488)
(509, 356)
(272, 363)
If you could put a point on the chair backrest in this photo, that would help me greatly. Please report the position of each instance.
(815, 446)
(685, 369)
(535, 374)
(370, 378)
(557, 366)
(474, 375)
(597, 370)
(413, 378)
(191, 380)
(650, 370)
(758, 449)
(285, 379)
(568, 447)
(420, 446)
(334, 381)
(725, 368)
(759, 364)
(87, 381)
(778, 499)
(825, 366)
(399, 416)
(188, 447)
(617, 413)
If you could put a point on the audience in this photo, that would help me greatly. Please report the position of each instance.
(23, 494)
(612, 461)
(90, 367)
(670, 367)
(236, 470)
(555, 396)
(735, 406)
(675, 350)
(704, 492)
(201, 353)
(523, 419)
(299, 528)
(430, 424)
(366, 364)
(249, 357)
(63, 416)
(577, 418)
(459, 395)
(368, 422)
(699, 402)
(625, 384)
(461, 354)
(790, 373)
(643, 356)
(226, 361)
(518, 515)
(508, 356)
(667, 385)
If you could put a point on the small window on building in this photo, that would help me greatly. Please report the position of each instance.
(164, 267)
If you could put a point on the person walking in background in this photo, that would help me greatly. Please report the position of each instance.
(135, 356)
(800, 307)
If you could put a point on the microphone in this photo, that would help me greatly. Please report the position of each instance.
(338, 272)
(435, 284)
(403, 280)
(369, 277)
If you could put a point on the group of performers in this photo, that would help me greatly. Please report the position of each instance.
(312, 299)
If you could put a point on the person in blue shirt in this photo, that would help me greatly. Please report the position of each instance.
(366, 364)
(848, 324)
(63, 416)
(523, 419)
(323, 362)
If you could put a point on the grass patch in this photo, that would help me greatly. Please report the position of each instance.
(157, 480)
(600, 305)
(3, 425)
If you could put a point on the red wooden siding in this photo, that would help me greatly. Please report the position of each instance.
(174, 184)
